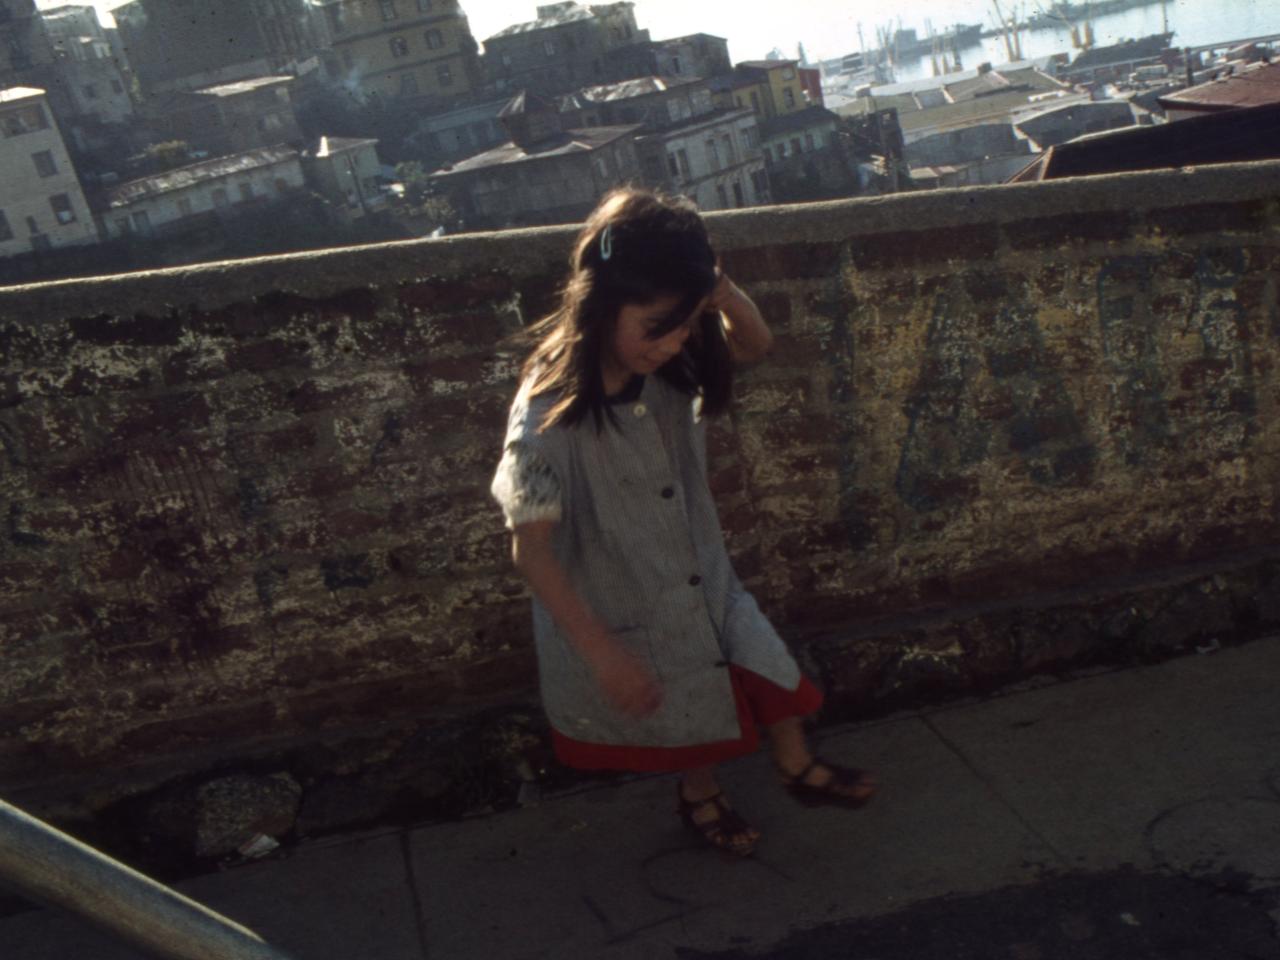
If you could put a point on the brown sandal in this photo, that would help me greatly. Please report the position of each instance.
(721, 831)
(830, 793)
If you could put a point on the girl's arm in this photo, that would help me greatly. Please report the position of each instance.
(748, 335)
(628, 684)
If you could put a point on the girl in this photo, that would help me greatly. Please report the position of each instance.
(651, 654)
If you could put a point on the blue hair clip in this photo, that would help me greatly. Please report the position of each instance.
(606, 242)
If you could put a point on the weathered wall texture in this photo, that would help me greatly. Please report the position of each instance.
(1003, 429)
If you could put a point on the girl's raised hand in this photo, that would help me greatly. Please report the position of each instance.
(627, 683)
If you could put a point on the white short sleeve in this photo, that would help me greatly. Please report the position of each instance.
(525, 486)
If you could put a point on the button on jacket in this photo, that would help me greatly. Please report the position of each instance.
(640, 540)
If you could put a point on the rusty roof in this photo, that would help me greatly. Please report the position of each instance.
(1252, 87)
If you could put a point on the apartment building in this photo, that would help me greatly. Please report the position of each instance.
(41, 203)
(401, 49)
(567, 46)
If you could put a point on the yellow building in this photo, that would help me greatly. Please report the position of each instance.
(772, 88)
(405, 49)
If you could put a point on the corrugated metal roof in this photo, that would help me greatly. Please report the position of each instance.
(241, 86)
(187, 176)
(13, 94)
(1145, 48)
(331, 145)
(1230, 136)
(545, 23)
(571, 141)
(1250, 88)
(627, 89)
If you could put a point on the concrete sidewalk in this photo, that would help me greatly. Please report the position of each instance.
(1127, 814)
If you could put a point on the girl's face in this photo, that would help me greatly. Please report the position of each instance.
(635, 349)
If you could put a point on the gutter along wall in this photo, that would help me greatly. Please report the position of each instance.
(1004, 429)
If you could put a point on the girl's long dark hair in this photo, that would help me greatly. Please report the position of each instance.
(653, 246)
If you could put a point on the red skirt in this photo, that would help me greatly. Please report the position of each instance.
(759, 702)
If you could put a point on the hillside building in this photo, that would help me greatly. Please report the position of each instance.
(42, 205)
(188, 44)
(569, 45)
(400, 49)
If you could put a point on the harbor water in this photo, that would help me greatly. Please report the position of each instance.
(1192, 22)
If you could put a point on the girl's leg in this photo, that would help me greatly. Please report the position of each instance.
(702, 804)
(792, 756)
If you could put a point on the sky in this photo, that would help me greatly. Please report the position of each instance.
(830, 27)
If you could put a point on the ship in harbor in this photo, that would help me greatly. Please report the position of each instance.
(906, 44)
(1063, 15)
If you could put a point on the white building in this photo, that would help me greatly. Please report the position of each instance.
(713, 159)
(41, 202)
(347, 171)
(214, 187)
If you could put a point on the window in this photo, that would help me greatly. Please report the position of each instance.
(789, 97)
(335, 17)
(6, 231)
(24, 120)
(671, 165)
(434, 40)
(683, 159)
(387, 8)
(753, 137)
(90, 91)
(738, 199)
(270, 121)
(817, 139)
(675, 66)
(220, 198)
(549, 46)
(760, 181)
(123, 226)
(246, 192)
(32, 226)
(399, 47)
(730, 156)
(44, 163)
(142, 222)
(788, 73)
(755, 101)
(722, 196)
(62, 209)
(713, 155)
(808, 142)
(408, 84)
(444, 74)
(424, 6)
(184, 207)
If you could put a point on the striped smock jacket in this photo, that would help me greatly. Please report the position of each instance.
(638, 535)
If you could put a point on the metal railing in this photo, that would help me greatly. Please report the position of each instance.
(44, 863)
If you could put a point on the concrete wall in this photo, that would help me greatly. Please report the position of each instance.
(1003, 429)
